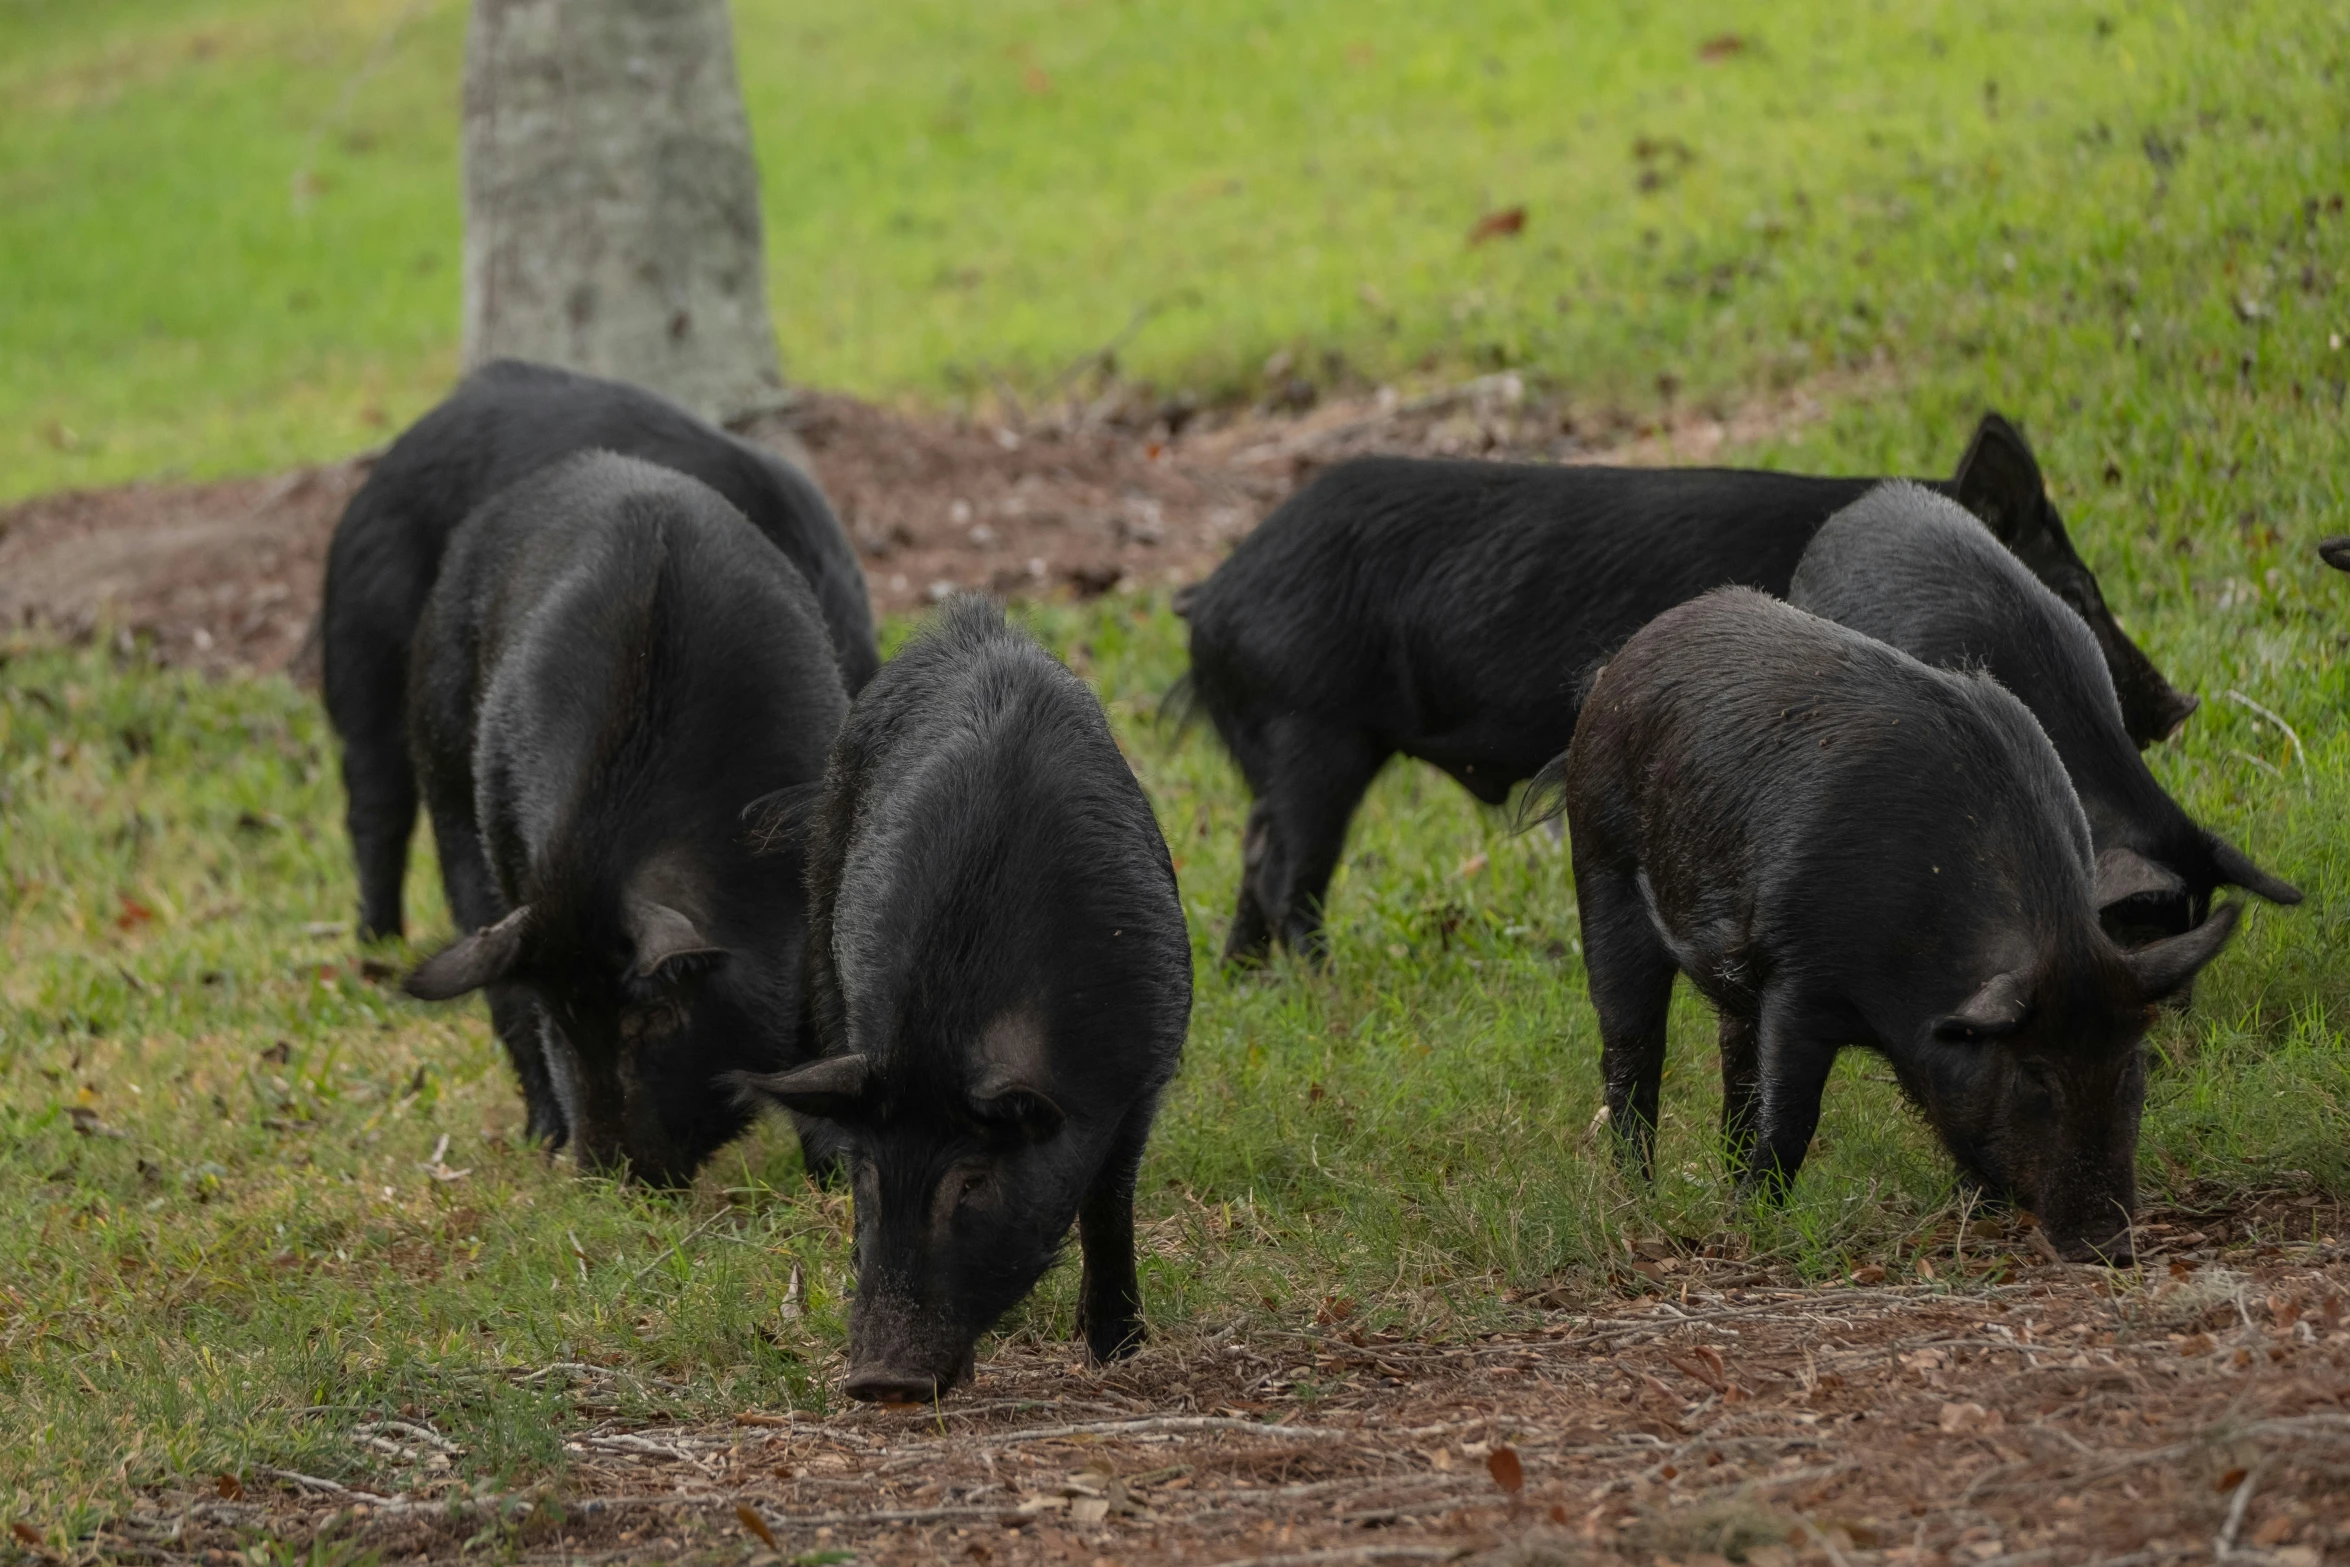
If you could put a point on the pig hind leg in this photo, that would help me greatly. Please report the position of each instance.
(1308, 778)
(1741, 1086)
(1109, 1300)
(366, 699)
(1795, 1048)
(1630, 972)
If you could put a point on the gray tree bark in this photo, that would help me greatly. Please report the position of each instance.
(612, 199)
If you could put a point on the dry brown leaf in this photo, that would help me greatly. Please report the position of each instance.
(25, 1532)
(230, 1487)
(1705, 1368)
(2230, 1480)
(1502, 1463)
(1505, 224)
(756, 1524)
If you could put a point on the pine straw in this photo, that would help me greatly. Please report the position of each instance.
(2068, 1415)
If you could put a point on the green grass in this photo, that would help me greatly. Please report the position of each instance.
(239, 1251)
(229, 231)
(262, 1257)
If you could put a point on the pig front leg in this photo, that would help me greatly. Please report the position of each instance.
(1630, 973)
(1109, 1299)
(1795, 1049)
(514, 1013)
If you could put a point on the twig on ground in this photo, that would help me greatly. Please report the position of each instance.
(2225, 1545)
(1353, 1553)
(2243, 701)
(1163, 1424)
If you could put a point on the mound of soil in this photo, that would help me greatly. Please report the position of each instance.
(225, 576)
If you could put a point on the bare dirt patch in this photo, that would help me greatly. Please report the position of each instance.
(226, 575)
(2001, 1411)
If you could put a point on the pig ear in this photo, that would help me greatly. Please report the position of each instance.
(1016, 1104)
(470, 962)
(1993, 1012)
(773, 823)
(667, 943)
(2164, 968)
(830, 1088)
(2123, 874)
(2237, 870)
(1999, 481)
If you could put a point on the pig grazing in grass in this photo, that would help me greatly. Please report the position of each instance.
(613, 666)
(1000, 977)
(1451, 611)
(1917, 571)
(507, 420)
(1840, 845)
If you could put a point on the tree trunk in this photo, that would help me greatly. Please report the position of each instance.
(612, 199)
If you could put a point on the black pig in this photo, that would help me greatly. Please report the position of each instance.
(1450, 610)
(505, 420)
(613, 666)
(1000, 976)
(1916, 570)
(1839, 846)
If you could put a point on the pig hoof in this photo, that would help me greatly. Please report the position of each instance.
(1114, 1341)
(880, 1385)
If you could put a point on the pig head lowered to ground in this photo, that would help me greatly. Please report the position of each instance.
(506, 420)
(1840, 845)
(614, 665)
(1452, 610)
(1915, 570)
(1000, 975)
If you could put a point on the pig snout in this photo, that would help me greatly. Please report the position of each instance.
(901, 1354)
(2089, 1225)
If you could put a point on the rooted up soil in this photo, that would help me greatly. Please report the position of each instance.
(1113, 495)
(1983, 1409)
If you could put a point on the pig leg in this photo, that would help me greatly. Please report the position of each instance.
(1308, 778)
(1796, 1050)
(365, 647)
(1741, 1086)
(380, 785)
(514, 1014)
(1109, 1300)
(1630, 973)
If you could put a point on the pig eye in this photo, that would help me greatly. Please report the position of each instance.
(964, 1185)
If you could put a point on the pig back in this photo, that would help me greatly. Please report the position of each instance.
(1852, 795)
(982, 848)
(1465, 600)
(641, 652)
